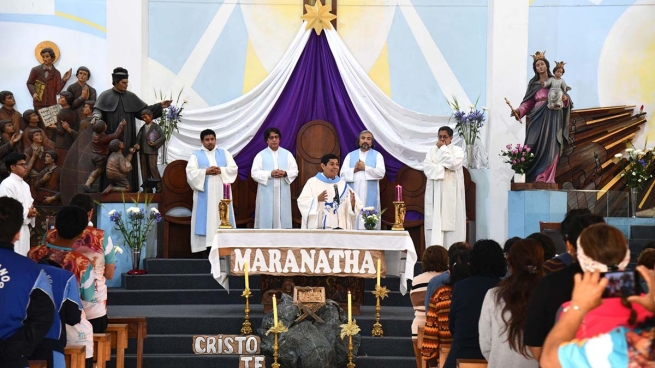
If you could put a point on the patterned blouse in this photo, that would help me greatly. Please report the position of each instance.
(436, 324)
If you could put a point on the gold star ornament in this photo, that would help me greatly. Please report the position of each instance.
(318, 17)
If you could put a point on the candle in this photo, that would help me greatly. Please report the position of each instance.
(274, 311)
(245, 268)
(226, 190)
(378, 272)
(399, 193)
(350, 307)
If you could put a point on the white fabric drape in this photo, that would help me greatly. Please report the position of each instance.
(407, 135)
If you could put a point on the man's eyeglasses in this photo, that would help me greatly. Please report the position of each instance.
(24, 164)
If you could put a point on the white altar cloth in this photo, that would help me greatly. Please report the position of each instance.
(400, 255)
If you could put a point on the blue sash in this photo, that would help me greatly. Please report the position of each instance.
(372, 186)
(201, 203)
(265, 195)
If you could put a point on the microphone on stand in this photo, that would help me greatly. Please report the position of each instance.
(337, 202)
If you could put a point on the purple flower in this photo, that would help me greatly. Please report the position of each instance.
(527, 149)
(509, 146)
(115, 217)
(522, 159)
(514, 162)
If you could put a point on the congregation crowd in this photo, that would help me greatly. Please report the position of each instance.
(521, 305)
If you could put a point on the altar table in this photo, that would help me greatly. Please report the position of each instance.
(400, 254)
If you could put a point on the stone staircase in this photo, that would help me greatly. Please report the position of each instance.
(181, 299)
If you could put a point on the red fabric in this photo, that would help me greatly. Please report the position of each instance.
(608, 316)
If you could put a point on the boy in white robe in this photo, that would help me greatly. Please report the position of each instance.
(445, 204)
(326, 202)
(15, 187)
(274, 169)
(207, 170)
(363, 169)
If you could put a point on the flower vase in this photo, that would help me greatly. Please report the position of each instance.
(634, 197)
(469, 156)
(136, 259)
(164, 153)
(519, 178)
(370, 225)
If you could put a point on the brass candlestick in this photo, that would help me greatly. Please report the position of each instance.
(224, 214)
(380, 292)
(400, 215)
(276, 330)
(246, 328)
(350, 329)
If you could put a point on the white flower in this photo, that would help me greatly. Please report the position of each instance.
(484, 108)
(634, 173)
(185, 101)
(134, 209)
(154, 210)
(639, 152)
(118, 249)
(111, 213)
(371, 208)
(471, 106)
(618, 155)
(629, 149)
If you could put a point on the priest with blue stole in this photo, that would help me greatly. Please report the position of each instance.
(326, 201)
(274, 169)
(206, 172)
(362, 170)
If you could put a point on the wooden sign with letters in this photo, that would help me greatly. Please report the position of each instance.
(308, 262)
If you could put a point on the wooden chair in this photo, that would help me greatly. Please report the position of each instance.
(419, 343)
(75, 356)
(471, 363)
(118, 333)
(101, 349)
(444, 349)
(137, 329)
(38, 364)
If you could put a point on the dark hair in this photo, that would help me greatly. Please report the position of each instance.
(3, 95)
(146, 112)
(448, 130)
(99, 126)
(458, 264)
(360, 135)
(13, 158)
(70, 222)
(578, 224)
(330, 156)
(508, 244)
(268, 132)
(115, 145)
(487, 258)
(68, 96)
(27, 114)
(525, 259)
(118, 75)
(647, 258)
(3, 123)
(546, 242)
(435, 258)
(83, 68)
(569, 218)
(83, 201)
(458, 245)
(52, 154)
(31, 133)
(49, 51)
(11, 218)
(559, 67)
(604, 243)
(90, 103)
(534, 68)
(649, 245)
(207, 132)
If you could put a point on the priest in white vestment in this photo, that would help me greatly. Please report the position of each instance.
(326, 201)
(15, 187)
(445, 205)
(207, 170)
(274, 169)
(362, 169)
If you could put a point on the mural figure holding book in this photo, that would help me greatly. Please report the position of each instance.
(547, 130)
(45, 82)
(117, 104)
(150, 139)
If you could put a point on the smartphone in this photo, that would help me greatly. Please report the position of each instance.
(622, 284)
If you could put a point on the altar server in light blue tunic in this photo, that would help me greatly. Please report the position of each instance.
(207, 170)
(274, 169)
(362, 169)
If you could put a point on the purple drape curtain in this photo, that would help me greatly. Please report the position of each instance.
(315, 91)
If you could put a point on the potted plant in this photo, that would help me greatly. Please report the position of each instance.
(520, 158)
(371, 217)
(468, 126)
(637, 166)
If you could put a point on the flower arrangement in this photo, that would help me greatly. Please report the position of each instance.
(637, 165)
(371, 217)
(468, 125)
(136, 225)
(519, 157)
(172, 115)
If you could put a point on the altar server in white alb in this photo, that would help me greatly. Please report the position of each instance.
(326, 201)
(208, 168)
(362, 169)
(274, 169)
(445, 206)
(15, 187)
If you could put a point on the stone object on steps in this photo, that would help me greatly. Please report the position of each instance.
(309, 344)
